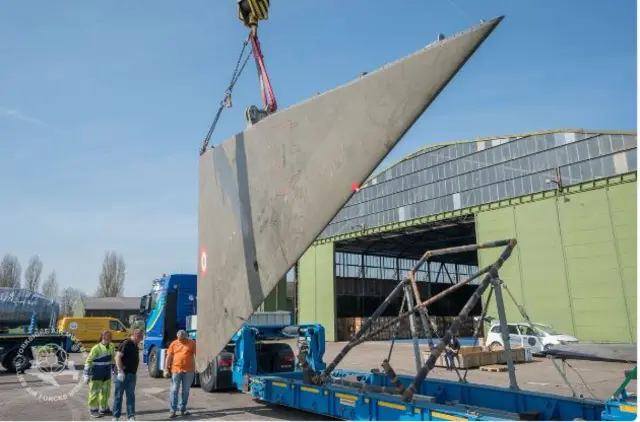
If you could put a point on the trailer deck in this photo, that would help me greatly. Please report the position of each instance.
(436, 400)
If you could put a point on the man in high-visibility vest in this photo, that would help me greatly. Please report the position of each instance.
(97, 372)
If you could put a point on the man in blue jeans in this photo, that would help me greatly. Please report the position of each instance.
(180, 365)
(127, 360)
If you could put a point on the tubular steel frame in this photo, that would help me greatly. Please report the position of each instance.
(409, 285)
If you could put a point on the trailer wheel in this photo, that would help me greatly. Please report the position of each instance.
(152, 364)
(15, 363)
(208, 378)
(61, 356)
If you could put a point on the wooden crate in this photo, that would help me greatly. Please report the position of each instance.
(494, 368)
(475, 357)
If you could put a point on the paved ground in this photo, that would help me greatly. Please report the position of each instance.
(63, 397)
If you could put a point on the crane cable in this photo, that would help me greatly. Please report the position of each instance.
(226, 101)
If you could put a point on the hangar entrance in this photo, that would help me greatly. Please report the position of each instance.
(368, 268)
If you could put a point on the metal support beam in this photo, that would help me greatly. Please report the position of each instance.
(412, 327)
(439, 272)
(448, 273)
(453, 329)
(492, 273)
(504, 330)
(363, 329)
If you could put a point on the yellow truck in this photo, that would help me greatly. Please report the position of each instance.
(86, 331)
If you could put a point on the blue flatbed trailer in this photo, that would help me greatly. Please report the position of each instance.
(622, 406)
(437, 400)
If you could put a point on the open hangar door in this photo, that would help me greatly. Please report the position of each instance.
(368, 268)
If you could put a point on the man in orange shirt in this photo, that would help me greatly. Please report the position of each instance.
(180, 364)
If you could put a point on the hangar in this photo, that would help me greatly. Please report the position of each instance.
(568, 196)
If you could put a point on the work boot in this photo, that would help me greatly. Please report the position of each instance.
(94, 413)
(106, 412)
(172, 414)
(185, 412)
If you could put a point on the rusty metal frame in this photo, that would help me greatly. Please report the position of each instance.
(407, 285)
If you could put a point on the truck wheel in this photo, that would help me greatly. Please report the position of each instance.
(208, 379)
(152, 364)
(15, 363)
(61, 356)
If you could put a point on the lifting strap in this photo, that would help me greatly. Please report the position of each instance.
(250, 12)
(266, 90)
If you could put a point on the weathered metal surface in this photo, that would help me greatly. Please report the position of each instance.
(388, 369)
(412, 389)
(595, 352)
(268, 192)
(361, 336)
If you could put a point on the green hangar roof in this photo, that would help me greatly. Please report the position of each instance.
(449, 177)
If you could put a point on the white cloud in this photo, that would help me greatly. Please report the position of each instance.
(11, 113)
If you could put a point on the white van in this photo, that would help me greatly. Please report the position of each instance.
(522, 334)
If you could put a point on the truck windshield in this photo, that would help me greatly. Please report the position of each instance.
(155, 295)
(153, 298)
(142, 310)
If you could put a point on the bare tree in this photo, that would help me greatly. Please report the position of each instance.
(111, 282)
(32, 273)
(50, 286)
(10, 271)
(68, 300)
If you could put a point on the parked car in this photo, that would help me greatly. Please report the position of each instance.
(522, 334)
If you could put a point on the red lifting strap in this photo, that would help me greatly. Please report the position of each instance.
(268, 97)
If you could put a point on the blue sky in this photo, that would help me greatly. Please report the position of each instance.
(103, 105)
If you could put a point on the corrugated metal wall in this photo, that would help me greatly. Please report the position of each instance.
(575, 264)
(316, 287)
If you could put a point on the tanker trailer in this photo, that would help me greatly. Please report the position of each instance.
(19, 306)
(37, 316)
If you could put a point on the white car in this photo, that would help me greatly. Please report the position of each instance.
(522, 334)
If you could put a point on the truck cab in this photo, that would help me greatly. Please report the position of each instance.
(165, 309)
(171, 305)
